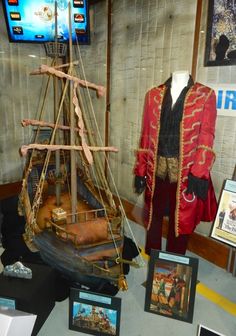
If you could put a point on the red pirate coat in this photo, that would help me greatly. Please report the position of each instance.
(196, 156)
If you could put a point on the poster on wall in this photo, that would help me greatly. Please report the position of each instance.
(221, 33)
(224, 226)
(225, 98)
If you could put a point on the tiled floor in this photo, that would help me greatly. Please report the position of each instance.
(218, 285)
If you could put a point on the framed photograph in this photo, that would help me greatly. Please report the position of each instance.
(171, 285)
(224, 226)
(93, 313)
(221, 33)
(204, 331)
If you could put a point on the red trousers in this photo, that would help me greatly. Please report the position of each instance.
(164, 196)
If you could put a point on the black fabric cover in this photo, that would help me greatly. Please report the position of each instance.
(12, 229)
(35, 296)
(130, 251)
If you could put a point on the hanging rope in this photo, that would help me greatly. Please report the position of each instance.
(142, 262)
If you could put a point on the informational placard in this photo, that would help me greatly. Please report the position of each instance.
(8, 303)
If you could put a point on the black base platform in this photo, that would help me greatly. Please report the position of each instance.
(35, 296)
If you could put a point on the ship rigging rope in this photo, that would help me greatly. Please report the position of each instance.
(98, 166)
(36, 202)
(32, 209)
(81, 126)
(86, 150)
(86, 85)
(28, 169)
(102, 177)
(142, 262)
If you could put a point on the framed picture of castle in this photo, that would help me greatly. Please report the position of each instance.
(93, 313)
(171, 285)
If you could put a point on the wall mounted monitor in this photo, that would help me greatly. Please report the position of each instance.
(34, 20)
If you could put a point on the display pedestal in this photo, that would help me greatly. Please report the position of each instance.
(14, 322)
(34, 296)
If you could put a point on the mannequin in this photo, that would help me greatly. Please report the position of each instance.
(179, 81)
(174, 160)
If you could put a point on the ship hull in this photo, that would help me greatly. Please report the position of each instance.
(75, 263)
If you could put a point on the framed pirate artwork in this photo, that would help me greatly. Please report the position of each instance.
(93, 313)
(171, 285)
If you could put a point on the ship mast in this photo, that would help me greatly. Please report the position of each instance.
(57, 154)
(72, 128)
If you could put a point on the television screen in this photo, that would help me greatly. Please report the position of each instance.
(34, 20)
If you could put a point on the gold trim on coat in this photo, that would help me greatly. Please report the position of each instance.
(159, 102)
(181, 145)
(207, 148)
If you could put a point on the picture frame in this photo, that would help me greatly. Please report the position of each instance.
(171, 285)
(205, 331)
(93, 313)
(224, 225)
(221, 30)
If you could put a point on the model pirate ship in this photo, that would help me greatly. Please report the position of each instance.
(71, 215)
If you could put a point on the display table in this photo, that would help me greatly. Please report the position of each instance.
(35, 296)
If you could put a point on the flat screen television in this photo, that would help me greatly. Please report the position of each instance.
(34, 20)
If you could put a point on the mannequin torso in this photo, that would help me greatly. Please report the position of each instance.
(179, 81)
